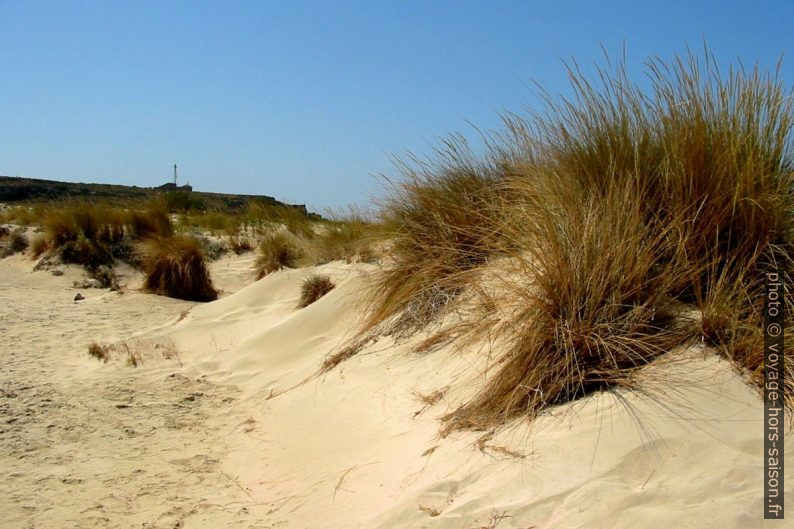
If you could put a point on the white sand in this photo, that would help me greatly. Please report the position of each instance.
(198, 441)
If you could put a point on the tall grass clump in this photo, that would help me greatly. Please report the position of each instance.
(349, 236)
(175, 267)
(621, 209)
(18, 241)
(732, 323)
(96, 235)
(21, 215)
(38, 247)
(442, 221)
(153, 221)
(276, 251)
(83, 234)
(313, 288)
(294, 220)
(240, 244)
(711, 149)
(596, 306)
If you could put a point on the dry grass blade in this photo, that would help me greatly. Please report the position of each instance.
(349, 351)
(99, 351)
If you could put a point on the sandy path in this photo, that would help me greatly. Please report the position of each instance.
(84, 444)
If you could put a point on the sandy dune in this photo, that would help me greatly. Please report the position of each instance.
(238, 430)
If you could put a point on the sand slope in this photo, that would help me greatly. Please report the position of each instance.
(245, 434)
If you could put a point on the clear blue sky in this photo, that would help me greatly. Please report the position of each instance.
(305, 101)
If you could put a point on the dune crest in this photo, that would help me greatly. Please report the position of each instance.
(359, 446)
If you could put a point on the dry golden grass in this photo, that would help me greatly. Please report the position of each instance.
(277, 251)
(213, 221)
(313, 288)
(348, 351)
(442, 220)
(154, 221)
(349, 236)
(39, 246)
(240, 244)
(13, 241)
(290, 218)
(21, 215)
(99, 351)
(622, 210)
(731, 321)
(18, 241)
(133, 354)
(96, 235)
(175, 267)
(431, 398)
(596, 309)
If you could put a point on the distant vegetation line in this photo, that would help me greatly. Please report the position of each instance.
(170, 232)
(20, 189)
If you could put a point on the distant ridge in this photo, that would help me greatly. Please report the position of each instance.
(18, 189)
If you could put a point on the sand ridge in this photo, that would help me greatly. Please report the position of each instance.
(240, 431)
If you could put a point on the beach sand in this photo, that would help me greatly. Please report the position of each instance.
(228, 423)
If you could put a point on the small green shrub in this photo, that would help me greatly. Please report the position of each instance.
(213, 249)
